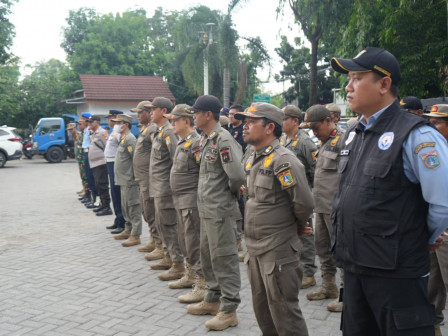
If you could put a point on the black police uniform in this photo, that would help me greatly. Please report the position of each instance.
(380, 235)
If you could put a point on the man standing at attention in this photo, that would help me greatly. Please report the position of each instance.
(326, 183)
(184, 184)
(299, 142)
(124, 177)
(142, 157)
(277, 210)
(388, 207)
(97, 163)
(162, 154)
(220, 177)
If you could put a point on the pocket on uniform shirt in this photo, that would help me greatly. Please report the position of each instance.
(264, 189)
(329, 160)
(157, 153)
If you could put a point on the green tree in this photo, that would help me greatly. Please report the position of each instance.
(414, 31)
(48, 83)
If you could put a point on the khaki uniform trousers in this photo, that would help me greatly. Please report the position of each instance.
(130, 206)
(275, 278)
(438, 280)
(189, 229)
(323, 231)
(166, 222)
(149, 211)
(308, 255)
(219, 261)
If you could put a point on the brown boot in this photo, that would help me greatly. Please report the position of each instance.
(204, 308)
(156, 254)
(438, 332)
(308, 282)
(222, 321)
(240, 245)
(131, 241)
(328, 290)
(164, 264)
(335, 306)
(148, 247)
(197, 294)
(187, 281)
(124, 235)
(176, 271)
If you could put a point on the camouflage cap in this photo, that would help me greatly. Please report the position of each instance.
(292, 111)
(124, 118)
(180, 110)
(316, 113)
(141, 106)
(262, 110)
(71, 126)
(438, 111)
(223, 120)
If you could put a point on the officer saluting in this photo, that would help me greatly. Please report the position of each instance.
(278, 207)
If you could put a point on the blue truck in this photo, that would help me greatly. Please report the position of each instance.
(51, 139)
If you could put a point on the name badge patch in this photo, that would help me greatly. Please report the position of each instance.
(344, 152)
(386, 140)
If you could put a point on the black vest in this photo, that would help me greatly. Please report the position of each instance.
(379, 221)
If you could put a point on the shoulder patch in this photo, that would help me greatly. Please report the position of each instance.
(226, 155)
(168, 140)
(282, 167)
(285, 178)
(105, 135)
(268, 160)
(423, 145)
(431, 160)
(197, 154)
(130, 149)
(314, 155)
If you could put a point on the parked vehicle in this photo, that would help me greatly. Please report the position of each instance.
(51, 139)
(27, 147)
(10, 145)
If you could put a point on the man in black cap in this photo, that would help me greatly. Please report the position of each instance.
(412, 104)
(386, 210)
(220, 177)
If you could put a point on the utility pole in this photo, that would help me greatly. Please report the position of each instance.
(209, 40)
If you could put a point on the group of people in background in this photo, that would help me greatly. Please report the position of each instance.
(362, 200)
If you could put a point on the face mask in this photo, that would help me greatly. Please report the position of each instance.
(117, 128)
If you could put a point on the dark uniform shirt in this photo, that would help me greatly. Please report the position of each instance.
(237, 133)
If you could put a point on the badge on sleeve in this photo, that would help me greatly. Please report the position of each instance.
(431, 159)
(226, 155)
(423, 145)
(105, 135)
(285, 178)
(197, 154)
(386, 140)
(168, 140)
(314, 154)
(130, 149)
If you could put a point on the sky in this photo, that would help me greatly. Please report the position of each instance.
(38, 25)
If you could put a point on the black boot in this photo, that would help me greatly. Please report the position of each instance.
(91, 204)
(87, 197)
(105, 212)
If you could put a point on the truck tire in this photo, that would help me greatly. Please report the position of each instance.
(2, 160)
(54, 155)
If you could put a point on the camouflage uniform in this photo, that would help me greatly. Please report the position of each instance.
(80, 159)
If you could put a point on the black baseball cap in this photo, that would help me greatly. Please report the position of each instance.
(207, 103)
(94, 118)
(370, 59)
(411, 103)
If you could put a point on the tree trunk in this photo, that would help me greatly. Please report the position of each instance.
(226, 87)
(313, 72)
(242, 85)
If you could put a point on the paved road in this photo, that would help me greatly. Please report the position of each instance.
(61, 273)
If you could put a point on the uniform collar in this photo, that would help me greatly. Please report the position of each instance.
(268, 149)
(190, 136)
(215, 131)
(372, 119)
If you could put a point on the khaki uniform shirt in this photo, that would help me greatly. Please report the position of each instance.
(185, 172)
(123, 168)
(163, 149)
(305, 149)
(98, 141)
(142, 152)
(280, 200)
(326, 178)
(221, 174)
